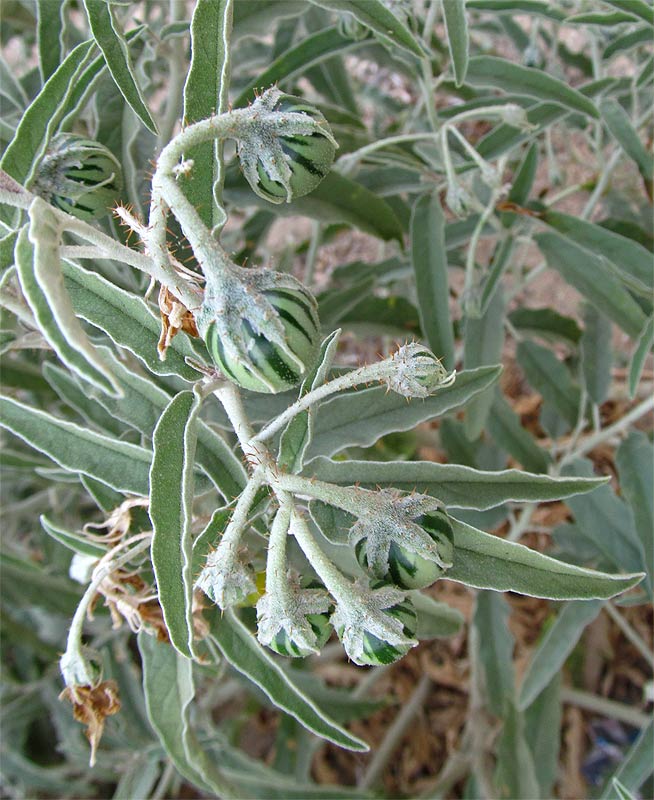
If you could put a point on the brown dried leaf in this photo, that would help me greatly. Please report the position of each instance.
(91, 706)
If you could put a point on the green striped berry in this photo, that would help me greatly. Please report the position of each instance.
(295, 623)
(376, 651)
(79, 176)
(406, 568)
(261, 363)
(286, 149)
(284, 643)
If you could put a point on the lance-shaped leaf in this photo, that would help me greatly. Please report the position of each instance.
(39, 270)
(506, 428)
(638, 8)
(495, 644)
(141, 406)
(169, 690)
(515, 771)
(241, 649)
(362, 417)
(510, 77)
(127, 320)
(556, 645)
(80, 399)
(635, 459)
(643, 347)
(121, 465)
(607, 521)
(591, 276)
(596, 355)
(550, 378)
(114, 49)
(49, 36)
(171, 499)
(337, 199)
(429, 261)
(484, 340)
(619, 124)
(452, 484)
(489, 562)
(310, 51)
(635, 767)
(40, 120)
(631, 259)
(375, 15)
(541, 718)
(76, 542)
(456, 27)
(435, 619)
(205, 93)
(296, 436)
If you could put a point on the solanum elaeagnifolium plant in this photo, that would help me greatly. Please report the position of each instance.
(188, 444)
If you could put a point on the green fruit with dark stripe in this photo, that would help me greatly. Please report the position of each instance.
(308, 155)
(375, 650)
(285, 645)
(79, 176)
(263, 365)
(407, 569)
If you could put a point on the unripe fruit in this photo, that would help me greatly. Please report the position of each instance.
(287, 148)
(407, 569)
(290, 640)
(375, 650)
(261, 364)
(79, 176)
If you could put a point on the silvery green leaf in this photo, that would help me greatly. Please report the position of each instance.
(49, 36)
(631, 259)
(429, 260)
(76, 542)
(128, 321)
(121, 465)
(242, 651)
(452, 484)
(555, 646)
(375, 15)
(39, 270)
(296, 436)
(643, 347)
(592, 276)
(483, 343)
(112, 43)
(506, 428)
(617, 121)
(171, 499)
(495, 644)
(206, 93)
(435, 619)
(334, 523)
(541, 718)
(456, 27)
(551, 379)
(607, 520)
(41, 118)
(515, 771)
(490, 562)
(312, 50)
(141, 406)
(166, 671)
(362, 417)
(596, 356)
(503, 74)
(636, 765)
(635, 460)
